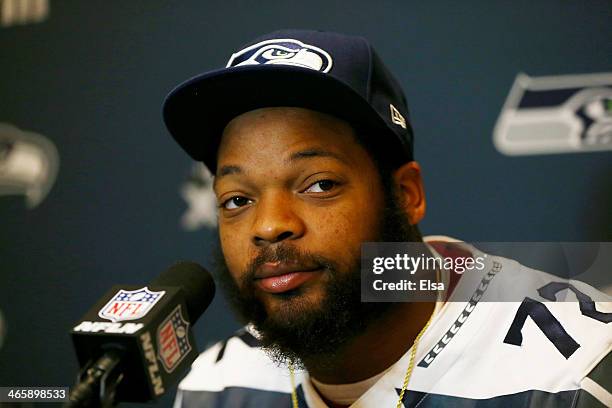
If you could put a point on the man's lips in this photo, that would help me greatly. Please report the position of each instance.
(272, 269)
(278, 277)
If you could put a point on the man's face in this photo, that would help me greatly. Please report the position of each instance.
(298, 195)
(294, 178)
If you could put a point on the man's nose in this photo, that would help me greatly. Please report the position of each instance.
(276, 220)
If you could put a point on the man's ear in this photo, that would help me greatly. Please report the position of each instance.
(410, 189)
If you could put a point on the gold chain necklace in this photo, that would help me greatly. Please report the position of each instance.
(413, 351)
(411, 363)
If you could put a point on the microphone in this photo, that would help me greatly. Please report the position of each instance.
(135, 342)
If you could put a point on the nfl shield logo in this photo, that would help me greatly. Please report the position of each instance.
(173, 340)
(130, 304)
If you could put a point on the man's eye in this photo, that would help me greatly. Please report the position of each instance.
(235, 202)
(321, 186)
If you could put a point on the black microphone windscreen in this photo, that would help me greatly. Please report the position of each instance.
(195, 281)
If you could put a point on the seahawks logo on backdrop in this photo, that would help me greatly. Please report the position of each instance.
(282, 52)
(28, 164)
(561, 114)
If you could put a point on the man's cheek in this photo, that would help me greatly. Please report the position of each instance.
(230, 246)
(237, 271)
(332, 227)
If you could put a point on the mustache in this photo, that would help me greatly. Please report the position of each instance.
(289, 254)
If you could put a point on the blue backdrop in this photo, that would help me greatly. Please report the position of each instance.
(92, 78)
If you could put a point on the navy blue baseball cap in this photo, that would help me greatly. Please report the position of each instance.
(328, 72)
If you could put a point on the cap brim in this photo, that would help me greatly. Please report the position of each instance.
(197, 111)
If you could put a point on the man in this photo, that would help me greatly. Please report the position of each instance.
(309, 139)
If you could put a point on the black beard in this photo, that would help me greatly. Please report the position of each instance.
(300, 331)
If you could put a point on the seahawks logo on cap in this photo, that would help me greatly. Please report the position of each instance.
(282, 52)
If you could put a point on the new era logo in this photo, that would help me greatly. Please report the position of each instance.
(397, 117)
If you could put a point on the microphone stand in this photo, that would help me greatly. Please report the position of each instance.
(97, 382)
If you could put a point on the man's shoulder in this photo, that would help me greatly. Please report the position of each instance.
(237, 361)
(521, 330)
(235, 372)
(541, 316)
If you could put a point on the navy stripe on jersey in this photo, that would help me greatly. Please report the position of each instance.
(531, 399)
(248, 338)
(240, 397)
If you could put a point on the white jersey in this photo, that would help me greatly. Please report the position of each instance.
(477, 353)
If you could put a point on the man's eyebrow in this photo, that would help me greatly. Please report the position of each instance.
(226, 171)
(315, 152)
